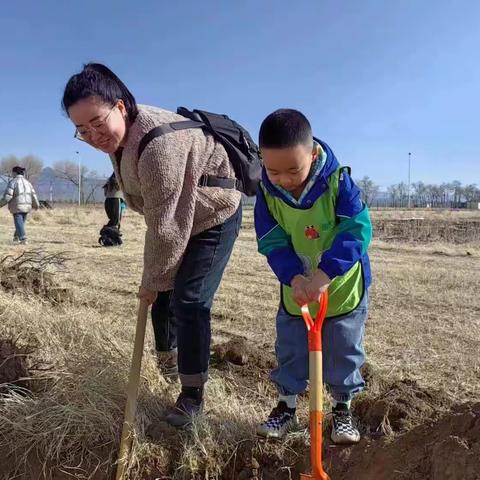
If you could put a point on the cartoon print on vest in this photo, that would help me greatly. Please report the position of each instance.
(311, 232)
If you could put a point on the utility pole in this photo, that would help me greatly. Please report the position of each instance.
(409, 166)
(80, 179)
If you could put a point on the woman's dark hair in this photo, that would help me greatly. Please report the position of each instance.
(97, 80)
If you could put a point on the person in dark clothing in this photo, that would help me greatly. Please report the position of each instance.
(114, 203)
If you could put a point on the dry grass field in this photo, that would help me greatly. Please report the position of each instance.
(66, 341)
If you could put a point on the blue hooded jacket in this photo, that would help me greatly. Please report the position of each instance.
(350, 243)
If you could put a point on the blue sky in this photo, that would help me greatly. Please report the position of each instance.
(377, 79)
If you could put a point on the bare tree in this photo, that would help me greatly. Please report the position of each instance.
(419, 193)
(429, 195)
(68, 171)
(394, 194)
(6, 165)
(446, 189)
(436, 195)
(457, 192)
(471, 192)
(369, 189)
(398, 194)
(33, 166)
(93, 182)
(403, 193)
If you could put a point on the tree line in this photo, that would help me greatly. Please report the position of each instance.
(445, 195)
(453, 194)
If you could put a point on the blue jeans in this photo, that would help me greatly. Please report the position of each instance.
(181, 318)
(19, 220)
(343, 354)
(164, 324)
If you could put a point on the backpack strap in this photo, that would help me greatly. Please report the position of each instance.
(205, 180)
(164, 129)
(213, 181)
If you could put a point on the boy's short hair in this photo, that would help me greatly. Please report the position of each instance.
(285, 128)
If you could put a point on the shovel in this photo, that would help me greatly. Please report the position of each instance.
(132, 392)
(316, 387)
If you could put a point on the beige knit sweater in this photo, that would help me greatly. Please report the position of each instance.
(163, 186)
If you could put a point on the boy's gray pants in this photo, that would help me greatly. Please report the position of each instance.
(343, 354)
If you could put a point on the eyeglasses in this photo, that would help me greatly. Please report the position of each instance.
(96, 126)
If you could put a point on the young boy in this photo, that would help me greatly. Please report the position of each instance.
(314, 230)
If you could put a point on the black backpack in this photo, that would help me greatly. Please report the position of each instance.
(242, 151)
(110, 236)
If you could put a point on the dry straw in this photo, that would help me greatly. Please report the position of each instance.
(423, 326)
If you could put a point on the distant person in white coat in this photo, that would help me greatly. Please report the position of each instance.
(21, 198)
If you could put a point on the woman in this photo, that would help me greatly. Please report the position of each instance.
(191, 229)
(21, 197)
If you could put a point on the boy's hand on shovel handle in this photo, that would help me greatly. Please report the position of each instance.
(316, 285)
(299, 289)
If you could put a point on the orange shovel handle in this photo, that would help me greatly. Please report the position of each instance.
(316, 386)
(322, 310)
(315, 327)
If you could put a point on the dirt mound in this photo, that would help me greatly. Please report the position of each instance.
(447, 449)
(239, 351)
(13, 365)
(248, 363)
(400, 406)
(36, 282)
(233, 351)
(27, 273)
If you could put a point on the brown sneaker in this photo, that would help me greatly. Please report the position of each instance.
(167, 365)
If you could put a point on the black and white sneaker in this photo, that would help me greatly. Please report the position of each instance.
(344, 430)
(280, 421)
